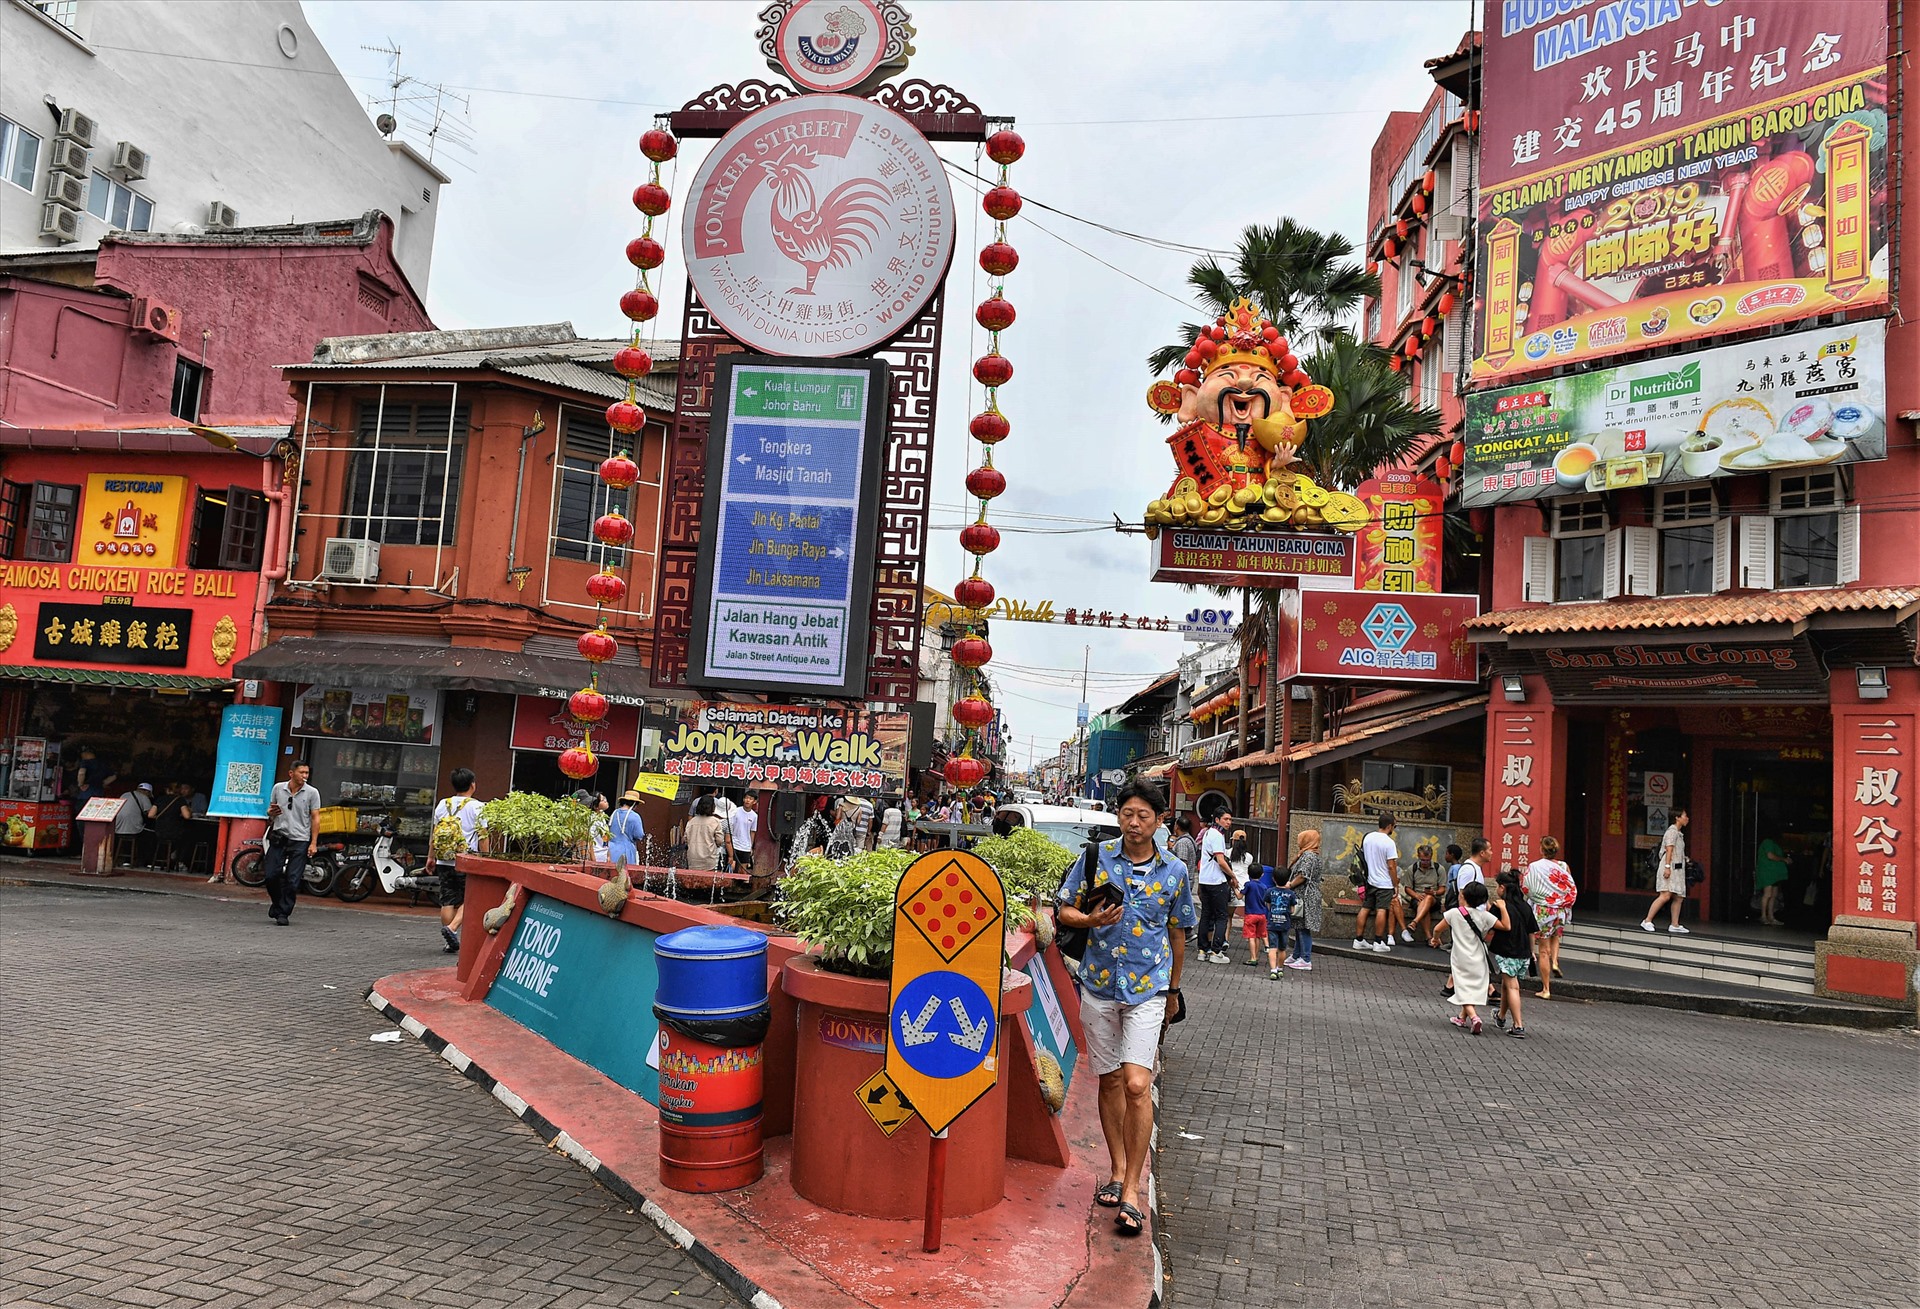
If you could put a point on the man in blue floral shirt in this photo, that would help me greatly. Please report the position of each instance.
(1136, 948)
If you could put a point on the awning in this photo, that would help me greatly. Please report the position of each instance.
(1374, 735)
(340, 661)
(115, 677)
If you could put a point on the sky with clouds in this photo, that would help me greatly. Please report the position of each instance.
(1180, 121)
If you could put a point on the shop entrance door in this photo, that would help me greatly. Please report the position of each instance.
(1759, 795)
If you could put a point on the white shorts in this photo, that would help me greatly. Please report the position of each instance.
(1122, 1033)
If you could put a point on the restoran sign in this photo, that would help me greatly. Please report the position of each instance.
(133, 519)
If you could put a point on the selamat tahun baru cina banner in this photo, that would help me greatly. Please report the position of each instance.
(1655, 172)
(823, 748)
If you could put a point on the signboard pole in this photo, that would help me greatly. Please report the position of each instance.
(936, 1192)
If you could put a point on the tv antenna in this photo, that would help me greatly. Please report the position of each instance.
(427, 111)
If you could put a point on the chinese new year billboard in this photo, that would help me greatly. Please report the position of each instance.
(1802, 400)
(1660, 172)
(1399, 549)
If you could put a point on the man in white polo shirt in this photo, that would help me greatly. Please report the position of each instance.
(1381, 854)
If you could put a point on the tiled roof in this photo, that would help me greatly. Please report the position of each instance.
(1396, 723)
(1691, 611)
(114, 677)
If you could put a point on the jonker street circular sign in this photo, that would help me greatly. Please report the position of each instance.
(819, 227)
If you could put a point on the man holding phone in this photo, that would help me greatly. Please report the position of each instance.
(1136, 900)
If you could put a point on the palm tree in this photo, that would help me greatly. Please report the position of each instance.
(1304, 281)
(1373, 425)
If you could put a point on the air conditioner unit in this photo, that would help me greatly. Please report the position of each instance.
(159, 321)
(60, 222)
(220, 217)
(130, 160)
(347, 559)
(70, 157)
(76, 126)
(66, 189)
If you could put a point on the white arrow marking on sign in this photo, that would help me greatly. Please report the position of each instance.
(743, 459)
(972, 1038)
(915, 1032)
(748, 392)
(837, 553)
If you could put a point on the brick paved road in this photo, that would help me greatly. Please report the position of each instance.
(1357, 1151)
(192, 1117)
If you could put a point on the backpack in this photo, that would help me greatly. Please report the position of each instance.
(449, 835)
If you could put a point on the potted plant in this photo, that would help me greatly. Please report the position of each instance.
(1031, 868)
(522, 825)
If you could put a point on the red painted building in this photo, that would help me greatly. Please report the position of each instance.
(145, 456)
(1711, 610)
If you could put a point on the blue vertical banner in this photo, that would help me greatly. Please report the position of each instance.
(243, 766)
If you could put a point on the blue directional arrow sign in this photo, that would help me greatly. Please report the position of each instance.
(944, 1024)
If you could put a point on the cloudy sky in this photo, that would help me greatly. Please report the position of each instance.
(1182, 122)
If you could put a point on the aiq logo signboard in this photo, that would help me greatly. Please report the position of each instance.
(1365, 636)
(788, 527)
(1799, 401)
(1664, 171)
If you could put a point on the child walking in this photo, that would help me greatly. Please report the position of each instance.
(1512, 947)
(1468, 923)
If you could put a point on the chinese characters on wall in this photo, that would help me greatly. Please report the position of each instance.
(1874, 833)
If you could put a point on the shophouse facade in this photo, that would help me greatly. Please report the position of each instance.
(1706, 571)
(440, 549)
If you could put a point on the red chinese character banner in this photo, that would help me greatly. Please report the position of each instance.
(1675, 173)
(1399, 549)
(1519, 758)
(1873, 831)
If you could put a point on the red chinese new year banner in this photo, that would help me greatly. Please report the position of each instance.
(1654, 172)
(1363, 636)
(1400, 548)
(1874, 814)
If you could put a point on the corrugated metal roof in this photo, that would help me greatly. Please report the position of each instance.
(1346, 741)
(571, 364)
(1690, 611)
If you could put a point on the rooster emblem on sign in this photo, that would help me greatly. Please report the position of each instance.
(815, 233)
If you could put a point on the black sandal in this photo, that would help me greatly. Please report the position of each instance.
(1108, 1196)
(1129, 1221)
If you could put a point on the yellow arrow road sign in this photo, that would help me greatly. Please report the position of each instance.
(884, 1102)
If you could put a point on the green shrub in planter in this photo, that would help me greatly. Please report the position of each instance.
(1029, 865)
(843, 908)
(522, 825)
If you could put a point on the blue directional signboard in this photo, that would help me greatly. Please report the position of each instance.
(786, 562)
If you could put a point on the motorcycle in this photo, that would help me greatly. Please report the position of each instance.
(363, 868)
(249, 863)
(248, 867)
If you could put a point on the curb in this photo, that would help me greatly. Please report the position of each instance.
(704, 1255)
(1864, 1018)
(96, 884)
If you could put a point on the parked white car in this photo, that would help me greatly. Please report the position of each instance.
(1070, 828)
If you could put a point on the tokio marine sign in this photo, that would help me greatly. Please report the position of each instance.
(819, 227)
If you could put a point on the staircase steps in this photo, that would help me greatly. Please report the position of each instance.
(1785, 969)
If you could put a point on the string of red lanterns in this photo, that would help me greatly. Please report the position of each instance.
(973, 710)
(588, 706)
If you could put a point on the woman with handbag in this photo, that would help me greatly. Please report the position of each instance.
(1670, 876)
(1551, 893)
(1309, 909)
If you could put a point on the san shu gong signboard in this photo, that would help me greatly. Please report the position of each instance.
(787, 530)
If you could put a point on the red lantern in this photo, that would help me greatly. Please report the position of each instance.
(645, 252)
(579, 763)
(992, 370)
(974, 593)
(1393, 362)
(1419, 204)
(624, 416)
(974, 711)
(1457, 453)
(986, 483)
(607, 588)
(1429, 324)
(996, 315)
(1445, 303)
(972, 652)
(1442, 469)
(596, 647)
(586, 705)
(1426, 183)
(1005, 146)
(613, 529)
(1373, 268)
(1186, 377)
(966, 772)
(660, 146)
(999, 258)
(979, 538)
(632, 361)
(1001, 203)
(639, 305)
(990, 427)
(1411, 346)
(1388, 249)
(1400, 228)
(619, 472)
(651, 199)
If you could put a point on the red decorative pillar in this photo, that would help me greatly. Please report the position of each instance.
(1869, 952)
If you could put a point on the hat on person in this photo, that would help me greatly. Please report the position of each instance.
(1239, 834)
(633, 796)
(146, 786)
(581, 796)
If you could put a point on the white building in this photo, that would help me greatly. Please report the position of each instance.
(178, 117)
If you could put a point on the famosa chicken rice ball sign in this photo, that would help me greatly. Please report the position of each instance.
(819, 227)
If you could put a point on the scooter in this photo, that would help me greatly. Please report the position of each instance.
(362, 868)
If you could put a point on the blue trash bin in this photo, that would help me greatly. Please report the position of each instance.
(713, 1012)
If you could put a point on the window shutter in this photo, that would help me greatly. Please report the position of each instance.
(1537, 585)
(1756, 553)
(1849, 545)
(1723, 555)
(13, 500)
(244, 539)
(1610, 565)
(1642, 561)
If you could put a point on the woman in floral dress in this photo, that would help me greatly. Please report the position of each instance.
(1551, 892)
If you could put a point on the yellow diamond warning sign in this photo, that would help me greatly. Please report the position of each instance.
(884, 1102)
(950, 906)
